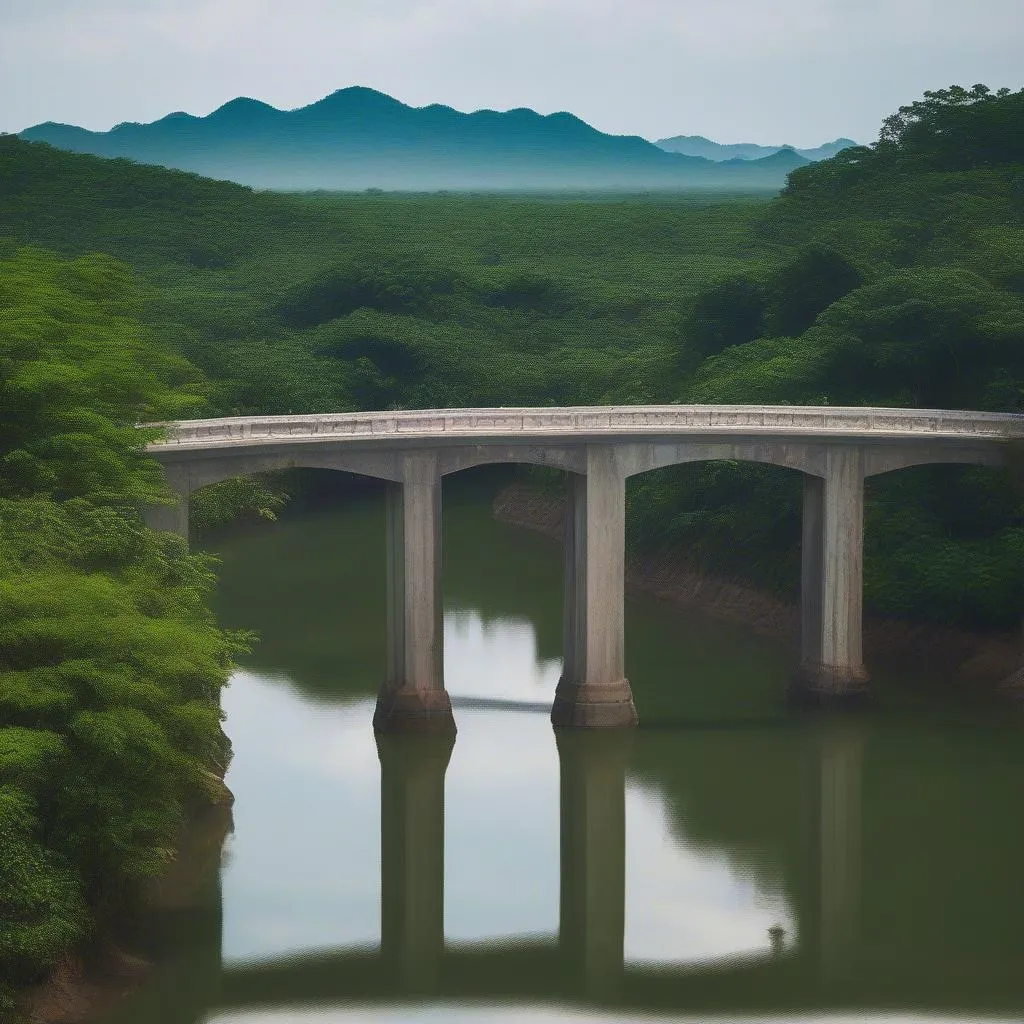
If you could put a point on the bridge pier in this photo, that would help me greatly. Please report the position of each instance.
(172, 518)
(592, 900)
(169, 518)
(413, 697)
(831, 669)
(412, 856)
(593, 690)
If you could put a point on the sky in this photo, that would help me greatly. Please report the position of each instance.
(768, 71)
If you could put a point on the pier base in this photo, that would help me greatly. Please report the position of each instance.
(168, 518)
(822, 689)
(593, 706)
(409, 710)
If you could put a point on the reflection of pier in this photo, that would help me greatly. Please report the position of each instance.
(592, 904)
(412, 770)
(838, 807)
(593, 866)
(826, 968)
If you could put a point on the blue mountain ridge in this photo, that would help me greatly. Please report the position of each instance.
(698, 145)
(356, 138)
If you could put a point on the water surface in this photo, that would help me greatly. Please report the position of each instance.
(728, 859)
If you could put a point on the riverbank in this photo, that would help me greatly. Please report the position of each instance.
(85, 988)
(981, 662)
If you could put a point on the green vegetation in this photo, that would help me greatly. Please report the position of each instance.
(905, 288)
(890, 275)
(110, 662)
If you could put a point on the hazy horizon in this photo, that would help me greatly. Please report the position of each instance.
(801, 72)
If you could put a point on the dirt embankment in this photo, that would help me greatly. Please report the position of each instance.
(982, 661)
(85, 987)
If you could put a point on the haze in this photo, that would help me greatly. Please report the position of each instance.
(796, 71)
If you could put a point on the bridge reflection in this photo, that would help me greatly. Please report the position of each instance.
(835, 961)
(585, 963)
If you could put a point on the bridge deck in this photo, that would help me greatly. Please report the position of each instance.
(582, 423)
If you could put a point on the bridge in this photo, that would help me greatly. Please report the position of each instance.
(599, 447)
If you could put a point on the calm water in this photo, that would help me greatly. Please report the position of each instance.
(729, 859)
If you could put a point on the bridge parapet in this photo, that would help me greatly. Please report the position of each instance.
(603, 420)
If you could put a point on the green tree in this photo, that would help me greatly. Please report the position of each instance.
(76, 376)
(957, 128)
(805, 287)
(111, 663)
(728, 312)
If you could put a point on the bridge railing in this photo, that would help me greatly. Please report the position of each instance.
(600, 419)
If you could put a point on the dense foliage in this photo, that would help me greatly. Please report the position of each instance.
(905, 287)
(890, 274)
(110, 661)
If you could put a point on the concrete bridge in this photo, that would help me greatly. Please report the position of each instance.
(599, 448)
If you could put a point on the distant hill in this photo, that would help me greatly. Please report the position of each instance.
(783, 161)
(359, 138)
(697, 145)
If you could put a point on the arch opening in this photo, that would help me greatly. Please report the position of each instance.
(264, 495)
(727, 517)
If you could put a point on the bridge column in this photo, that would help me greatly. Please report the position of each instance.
(412, 856)
(171, 518)
(413, 697)
(831, 660)
(593, 690)
(592, 903)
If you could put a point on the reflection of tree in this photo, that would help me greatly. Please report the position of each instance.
(180, 932)
(500, 571)
(313, 588)
(741, 794)
(922, 886)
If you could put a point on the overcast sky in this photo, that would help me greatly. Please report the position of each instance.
(767, 71)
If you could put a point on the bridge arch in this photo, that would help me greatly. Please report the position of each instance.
(187, 476)
(638, 458)
(570, 458)
(879, 460)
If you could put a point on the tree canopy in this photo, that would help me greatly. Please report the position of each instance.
(110, 660)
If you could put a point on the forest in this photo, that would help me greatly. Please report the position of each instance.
(887, 275)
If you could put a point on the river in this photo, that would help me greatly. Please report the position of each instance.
(728, 858)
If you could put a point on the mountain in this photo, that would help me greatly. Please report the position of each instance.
(697, 145)
(783, 161)
(359, 138)
(827, 149)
